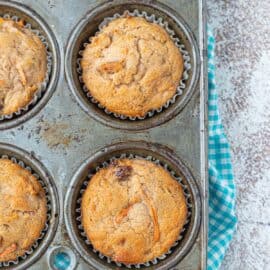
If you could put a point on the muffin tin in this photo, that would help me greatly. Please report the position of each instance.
(69, 142)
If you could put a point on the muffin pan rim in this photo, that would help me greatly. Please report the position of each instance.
(37, 167)
(129, 146)
(109, 120)
(55, 67)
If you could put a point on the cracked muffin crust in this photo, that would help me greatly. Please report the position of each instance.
(133, 211)
(132, 66)
(23, 210)
(23, 65)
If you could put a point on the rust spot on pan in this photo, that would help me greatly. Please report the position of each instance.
(58, 134)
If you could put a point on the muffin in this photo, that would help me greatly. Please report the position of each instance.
(132, 66)
(23, 65)
(23, 210)
(133, 211)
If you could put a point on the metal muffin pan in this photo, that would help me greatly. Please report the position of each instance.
(63, 137)
(37, 168)
(142, 149)
(88, 26)
(37, 22)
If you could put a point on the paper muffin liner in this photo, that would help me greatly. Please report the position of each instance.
(43, 86)
(185, 54)
(106, 164)
(46, 226)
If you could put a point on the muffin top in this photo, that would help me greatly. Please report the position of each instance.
(22, 210)
(23, 65)
(132, 66)
(133, 211)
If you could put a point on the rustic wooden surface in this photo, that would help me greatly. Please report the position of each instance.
(242, 31)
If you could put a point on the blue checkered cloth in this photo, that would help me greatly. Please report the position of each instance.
(222, 219)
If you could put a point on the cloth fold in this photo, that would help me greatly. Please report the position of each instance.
(222, 218)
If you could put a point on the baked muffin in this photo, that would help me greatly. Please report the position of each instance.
(23, 65)
(133, 211)
(132, 66)
(23, 210)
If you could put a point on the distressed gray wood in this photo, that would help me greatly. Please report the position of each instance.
(242, 31)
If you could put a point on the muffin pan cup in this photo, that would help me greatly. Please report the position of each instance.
(28, 162)
(33, 22)
(42, 88)
(181, 88)
(63, 137)
(155, 12)
(158, 154)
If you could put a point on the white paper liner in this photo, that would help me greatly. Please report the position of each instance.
(46, 227)
(106, 164)
(186, 57)
(43, 86)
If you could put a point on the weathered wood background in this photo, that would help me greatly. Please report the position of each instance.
(242, 31)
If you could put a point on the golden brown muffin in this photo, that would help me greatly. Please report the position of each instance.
(133, 211)
(132, 66)
(23, 66)
(23, 210)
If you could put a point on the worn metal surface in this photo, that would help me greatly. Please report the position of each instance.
(61, 135)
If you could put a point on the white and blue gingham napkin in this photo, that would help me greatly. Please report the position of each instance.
(222, 219)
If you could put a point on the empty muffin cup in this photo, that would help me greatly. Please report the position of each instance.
(154, 12)
(28, 19)
(28, 162)
(132, 150)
